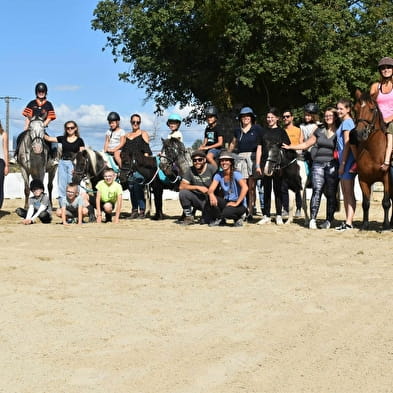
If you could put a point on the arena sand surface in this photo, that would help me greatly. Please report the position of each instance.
(153, 307)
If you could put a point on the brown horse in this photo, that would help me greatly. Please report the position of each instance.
(371, 140)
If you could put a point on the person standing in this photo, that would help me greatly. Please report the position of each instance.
(114, 137)
(346, 160)
(295, 136)
(214, 136)
(137, 141)
(245, 142)
(324, 167)
(71, 143)
(4, 162)
(194, 187)
(272, 134)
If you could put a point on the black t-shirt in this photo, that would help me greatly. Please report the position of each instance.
(212, 134)
(270, 136)
(69, 150)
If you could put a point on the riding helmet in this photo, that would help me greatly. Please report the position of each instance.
(311, 107)
(113, 116)
(246, 110)
(211, 111)
(385, 61)
(174, 117)
(41, 87)
(36, 184)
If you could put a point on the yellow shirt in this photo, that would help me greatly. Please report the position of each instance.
(293, 134)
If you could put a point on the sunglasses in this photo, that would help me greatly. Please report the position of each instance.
(70, 128)
(286, 116)
(385, 67)
(198, 159)
(135, 122)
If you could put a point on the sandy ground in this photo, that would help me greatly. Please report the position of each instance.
(153, 307)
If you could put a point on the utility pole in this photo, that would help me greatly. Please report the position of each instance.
(7, 100)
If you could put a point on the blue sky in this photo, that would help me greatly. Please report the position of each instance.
(51, 41)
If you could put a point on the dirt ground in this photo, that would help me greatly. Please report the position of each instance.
(153, 307)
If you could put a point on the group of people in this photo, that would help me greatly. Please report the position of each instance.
(222, 183)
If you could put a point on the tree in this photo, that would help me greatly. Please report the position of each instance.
(250, 52)
(196, 144)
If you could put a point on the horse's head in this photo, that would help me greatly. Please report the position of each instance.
(36, 132)
(368, 117)
(273, 160)
(173, 157)
(81, 163)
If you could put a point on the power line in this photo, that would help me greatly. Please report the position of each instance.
(7, 100)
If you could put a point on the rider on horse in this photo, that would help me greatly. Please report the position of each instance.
(39, 107)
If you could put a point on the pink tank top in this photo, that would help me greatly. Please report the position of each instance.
(385, 103)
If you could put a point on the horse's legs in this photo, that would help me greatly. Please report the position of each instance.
(304, 177)
(51, 175)
(25, 177)
(158, 191)
(291, 206)
(366, 191)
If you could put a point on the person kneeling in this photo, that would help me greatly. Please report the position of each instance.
(233, 204)
(39, 205)
(74, 206)
(109, 195)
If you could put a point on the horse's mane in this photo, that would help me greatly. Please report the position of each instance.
(371, 100)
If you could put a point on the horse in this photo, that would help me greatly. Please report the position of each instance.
(157, 173)
(34, 157)
(89, 166)
(371, 140)
(282, 162)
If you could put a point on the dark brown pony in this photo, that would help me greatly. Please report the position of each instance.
(371, 140)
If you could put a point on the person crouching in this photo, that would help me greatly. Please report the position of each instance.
(233, 204)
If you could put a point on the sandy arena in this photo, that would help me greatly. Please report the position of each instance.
(153, 307)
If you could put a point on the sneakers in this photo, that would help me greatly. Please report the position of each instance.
(141, 215)
(215, 223)
(134, 214)
(188, 220)
(312, 224)
(298, 213)
(279, 220)
(353, 168)
(238, 223)
(249, 218)
(325, 225)
(264, 220)
(344, 227)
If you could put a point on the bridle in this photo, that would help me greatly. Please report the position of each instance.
(365, 132)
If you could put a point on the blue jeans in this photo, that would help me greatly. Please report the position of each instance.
(64, 176)
(324, 179)
(137, 196)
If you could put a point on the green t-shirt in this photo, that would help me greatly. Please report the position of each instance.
(109, 192)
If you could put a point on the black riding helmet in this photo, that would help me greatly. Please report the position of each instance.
(36, 184)
(113, 116)
(211, 111)
(41, 87)
(311, 107)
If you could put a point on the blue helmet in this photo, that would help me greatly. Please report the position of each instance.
(246, 110)
(174, 117)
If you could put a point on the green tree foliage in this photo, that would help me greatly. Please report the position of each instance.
(256, 52)
(196, 144)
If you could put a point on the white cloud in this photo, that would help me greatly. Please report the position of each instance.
(67, 88)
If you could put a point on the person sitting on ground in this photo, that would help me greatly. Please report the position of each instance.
(109, 196)
(39, 205)
(174, 122)
(233, 204)
(194, 187)
(115, 138)
(75, 206)
(213, 140)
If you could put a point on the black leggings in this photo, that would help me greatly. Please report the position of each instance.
(224, 211)
(267, 196)
(2, 166)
